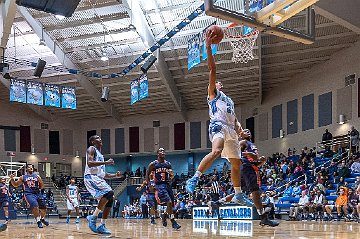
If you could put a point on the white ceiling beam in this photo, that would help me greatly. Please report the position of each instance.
(83, 81)
(144, 30)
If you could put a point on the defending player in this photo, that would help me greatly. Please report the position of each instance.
(150, 197)
(4, 198)
(224, 129)
(73, 199)
(250, 178)
(94, 179)
(32, 184)
(164, 194)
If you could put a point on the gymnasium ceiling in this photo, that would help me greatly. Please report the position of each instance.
(106, 27)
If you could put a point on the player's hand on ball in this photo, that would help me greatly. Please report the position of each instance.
(210, 36)
(110, 162)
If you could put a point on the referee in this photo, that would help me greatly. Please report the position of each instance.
(214, 189)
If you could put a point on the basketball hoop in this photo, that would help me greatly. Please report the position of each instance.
(243, 45)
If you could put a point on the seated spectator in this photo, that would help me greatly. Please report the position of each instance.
(355, 167)
(353, 205)
(289, 191)
(267, 203)
(343, 170)
(302, 207)
(357, 183)
(340, 205)
(340, 184)
(297, 189)
(328, 153)
(317, 203)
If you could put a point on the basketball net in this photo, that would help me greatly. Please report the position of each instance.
(243, 45)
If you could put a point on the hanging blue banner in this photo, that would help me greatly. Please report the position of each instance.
(35, 93)
(134, 91)
(194, 52)
(144, 86)
(213, 50)
(18, 91)
(68, 97)
(52, 95)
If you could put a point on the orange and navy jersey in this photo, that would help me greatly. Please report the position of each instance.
(162, 172)
(31, 183)
(249, 148)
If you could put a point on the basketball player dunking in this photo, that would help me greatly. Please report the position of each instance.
(224, 129)
(4, 198)
(164, 194)
(73, 199)
(32, 184)
(150, 197)
(94, 179)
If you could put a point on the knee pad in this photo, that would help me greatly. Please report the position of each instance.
(109, 195)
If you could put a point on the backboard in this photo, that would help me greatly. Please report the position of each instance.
(290, 19)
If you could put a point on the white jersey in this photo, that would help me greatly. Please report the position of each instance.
(221, 109)
(99, 170)
(72, 191)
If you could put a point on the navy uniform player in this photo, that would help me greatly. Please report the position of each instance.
(73, 199)
(164, 195)
(150, 196)
(32, 185)
(250, 178)
(4, 198)
(94, 179)
(224, 129)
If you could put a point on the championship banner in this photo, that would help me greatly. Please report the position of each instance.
(35, 93)
(134, 91)
(144, 86)
(226, 212)
(68, 97)
(194, 52)
(52, 95)
(242, 228)
(18, 91)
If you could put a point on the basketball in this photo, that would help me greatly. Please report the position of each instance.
(218, 31)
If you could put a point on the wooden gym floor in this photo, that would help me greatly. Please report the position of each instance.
(132, 228)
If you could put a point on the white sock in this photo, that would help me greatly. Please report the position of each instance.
(222, 200)
(96, 212)
(102, 221)
(198, 173)
(237, 190)
(77, 217)
(38, 218)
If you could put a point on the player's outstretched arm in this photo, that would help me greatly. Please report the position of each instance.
(16, 183)
(211, 65)
(118, 174)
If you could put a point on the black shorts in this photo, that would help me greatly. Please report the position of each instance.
(249, 178)
(214, 196)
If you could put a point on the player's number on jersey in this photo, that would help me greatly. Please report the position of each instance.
(31, 184)
(163, 176)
